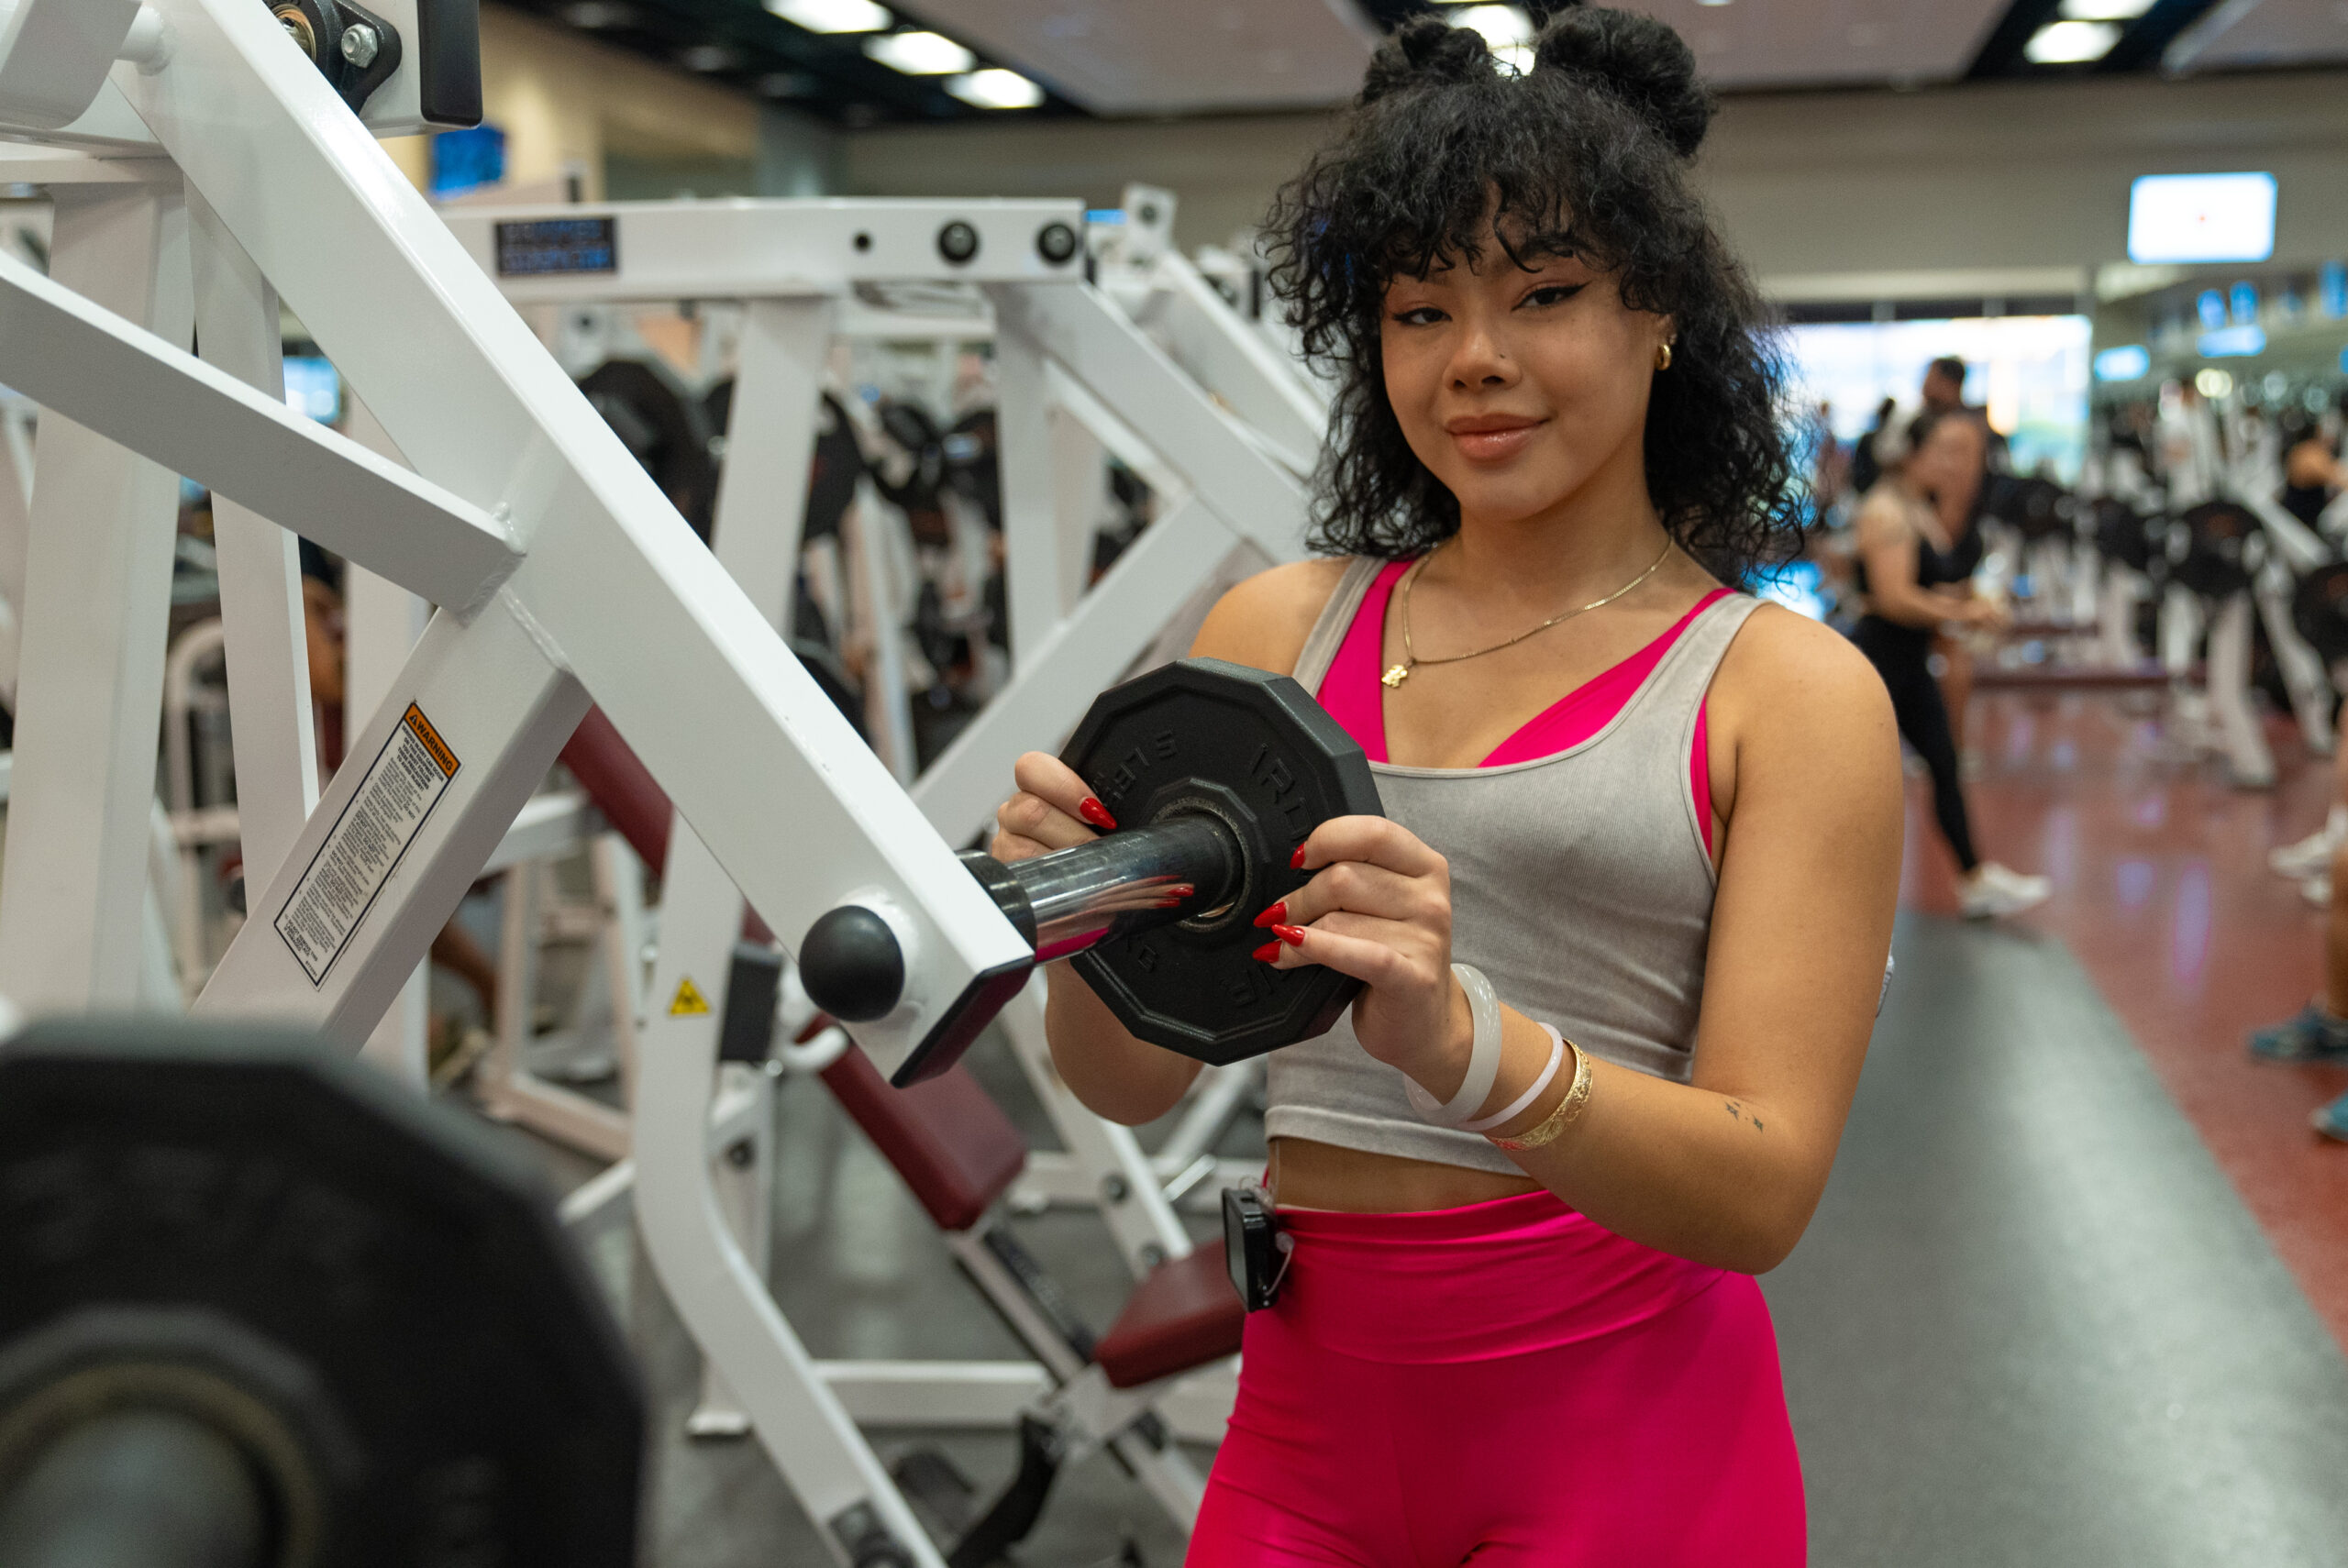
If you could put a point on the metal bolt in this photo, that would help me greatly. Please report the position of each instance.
(361, 44)
(1114, 1189)
(1152, 1254)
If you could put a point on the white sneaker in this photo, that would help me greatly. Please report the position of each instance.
(1993, 893)
(2306, 858)
(2316, 889)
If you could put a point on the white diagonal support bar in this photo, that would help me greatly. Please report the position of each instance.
(96, 369)
(98, 602)
(1109, 629)
(264, 630)
(828, 1464)
(614, 590)
(1241, 367)
(1136, 382)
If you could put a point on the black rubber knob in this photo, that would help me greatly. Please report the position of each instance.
(852, 965)
(957, 242)
(1056, 243)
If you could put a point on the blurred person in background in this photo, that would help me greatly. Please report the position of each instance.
(1916, 580)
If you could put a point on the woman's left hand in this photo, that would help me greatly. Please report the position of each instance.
(1380, 909)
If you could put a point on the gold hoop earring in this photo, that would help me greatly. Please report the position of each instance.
(1662, 357)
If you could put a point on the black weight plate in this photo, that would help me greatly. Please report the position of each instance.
(2320, 610)
(380, 1277)
(2037, 508)
(2216, 535)
(1257, 750)
(662, 428)
(2121, 535)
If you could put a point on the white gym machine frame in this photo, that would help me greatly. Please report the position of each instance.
(213, 171)
(773, 256)
(757, 253)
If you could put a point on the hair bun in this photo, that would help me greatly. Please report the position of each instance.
(1639, 59)
(1426, 51)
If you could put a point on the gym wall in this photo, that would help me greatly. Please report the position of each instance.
(1821, 191)
(569, 106)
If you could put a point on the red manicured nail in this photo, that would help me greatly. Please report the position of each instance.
(1291, 935)
(1274, 915)
(1182, 890)
(1296, 861)
(1267, 952)
(1093, 812)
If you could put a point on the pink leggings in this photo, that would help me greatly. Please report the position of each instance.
(1506, 1384)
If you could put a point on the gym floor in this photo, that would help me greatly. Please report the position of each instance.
(2075, 1292)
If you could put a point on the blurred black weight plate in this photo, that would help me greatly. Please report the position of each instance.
(366, 1299)
(2209, 548)
(2320, 610)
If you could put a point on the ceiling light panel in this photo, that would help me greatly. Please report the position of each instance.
(1171, 57)
(1813, 43)
(835, 16)
(2102, 10)
(1500, 24)
(996, 89)
(920, 54)
(2071, 43)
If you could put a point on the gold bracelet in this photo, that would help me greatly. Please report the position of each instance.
(1553, 1126)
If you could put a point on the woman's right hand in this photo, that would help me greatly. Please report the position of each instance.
(1054, 809)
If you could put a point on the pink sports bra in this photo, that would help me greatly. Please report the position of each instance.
(1353, 695)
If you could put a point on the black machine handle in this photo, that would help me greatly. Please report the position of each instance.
(853, 967)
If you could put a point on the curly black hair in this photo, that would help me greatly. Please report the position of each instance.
(1587, 154)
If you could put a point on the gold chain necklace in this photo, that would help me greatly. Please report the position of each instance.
(1399, 673)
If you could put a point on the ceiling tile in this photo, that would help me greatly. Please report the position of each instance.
(1805, 43)
(2277, 33)
(1166, 57)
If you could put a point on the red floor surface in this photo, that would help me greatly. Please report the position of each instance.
(2162, 893)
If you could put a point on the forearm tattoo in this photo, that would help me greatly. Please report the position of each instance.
(1738, 1113)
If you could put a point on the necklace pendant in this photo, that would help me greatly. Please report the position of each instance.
(1396, 676)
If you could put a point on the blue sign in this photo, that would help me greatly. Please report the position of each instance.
(2242, 303)
(467, 160)
(2232, 343)
(2128, 362)
(2211, 307)
(2331, 290)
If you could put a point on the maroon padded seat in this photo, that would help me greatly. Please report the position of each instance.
(1186, 1314)
(946, 1136)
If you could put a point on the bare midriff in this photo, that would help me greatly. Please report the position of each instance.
(1305, 1174)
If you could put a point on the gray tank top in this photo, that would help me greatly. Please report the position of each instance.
(1580, 886)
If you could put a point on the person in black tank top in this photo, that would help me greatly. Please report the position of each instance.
(1913, 578)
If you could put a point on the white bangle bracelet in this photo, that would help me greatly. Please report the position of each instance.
(1483, 1057)
(1523, 1103)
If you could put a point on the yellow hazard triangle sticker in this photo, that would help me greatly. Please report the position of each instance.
(689, 999)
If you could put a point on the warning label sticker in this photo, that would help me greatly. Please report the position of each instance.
(690, 1001)
(398, 791)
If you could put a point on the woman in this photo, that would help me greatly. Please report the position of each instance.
(1915, 580)
(1623, 930)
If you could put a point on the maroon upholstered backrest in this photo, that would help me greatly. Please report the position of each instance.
(947, 1137)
